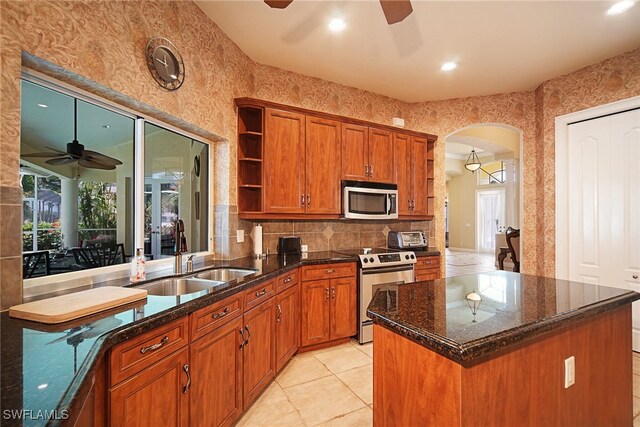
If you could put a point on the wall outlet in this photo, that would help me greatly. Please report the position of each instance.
(304, 248)
(240, 236)
(569, 372)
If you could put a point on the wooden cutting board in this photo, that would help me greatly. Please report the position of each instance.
(72, 306)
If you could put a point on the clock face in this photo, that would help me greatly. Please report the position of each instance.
(165, 63)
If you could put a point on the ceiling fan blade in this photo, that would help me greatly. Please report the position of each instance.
(396, 10)
(60, 161)
(94, 156)
(278, 4)
(43, 154)
(85, 163)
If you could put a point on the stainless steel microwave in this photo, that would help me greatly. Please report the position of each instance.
(369, 200)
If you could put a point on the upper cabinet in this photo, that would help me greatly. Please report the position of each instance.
(291, 162)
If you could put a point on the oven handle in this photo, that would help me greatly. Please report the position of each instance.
(386, 270)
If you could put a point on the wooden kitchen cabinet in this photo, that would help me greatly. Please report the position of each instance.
(328, 306)
(412, 175)
(283, 162)
(355, 152)
(427, 268)
(381, 156)
(322, 166)
(259, 358)
(157, 396)
(287, 325)
(217, 375)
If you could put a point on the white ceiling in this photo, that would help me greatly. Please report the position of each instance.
(501, 46)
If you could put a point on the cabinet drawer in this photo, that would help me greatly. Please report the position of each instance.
(135, 354)
(259, 293)
(328, 271)
(217, 314)
(286, 280)
(428, 262)
(427, 274)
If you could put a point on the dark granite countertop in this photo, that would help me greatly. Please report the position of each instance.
(514, 308)
(47, 367)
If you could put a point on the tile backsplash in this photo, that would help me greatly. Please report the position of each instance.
(318, 235)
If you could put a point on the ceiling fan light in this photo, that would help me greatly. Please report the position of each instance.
(336, 25)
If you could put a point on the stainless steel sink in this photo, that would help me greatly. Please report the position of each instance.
(225, 274)
(171, 287)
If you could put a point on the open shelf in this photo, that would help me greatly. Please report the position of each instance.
(250, 159)
(250, 120)
(250, 155)
(250, 199)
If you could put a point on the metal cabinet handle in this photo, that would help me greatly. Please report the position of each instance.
(154, 347)
(308, 200)
(635, 276)
(327, 297)
(409, 202)
(279, 313)
(333, 293)
(287, 280)
(370, 170)
(366, 170)
(262, 292)
(221, 314)
(244, 340)
(330, 270)
(302, 200)
(186, 387)
(248, 334)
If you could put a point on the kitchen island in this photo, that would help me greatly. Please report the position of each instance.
(439, 360)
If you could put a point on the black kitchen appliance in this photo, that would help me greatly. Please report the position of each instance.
(289, 246)
(414, 240)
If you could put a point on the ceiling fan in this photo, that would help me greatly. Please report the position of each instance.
(394, 10)
(76, 152)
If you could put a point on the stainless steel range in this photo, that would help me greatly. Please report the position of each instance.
(381, 269)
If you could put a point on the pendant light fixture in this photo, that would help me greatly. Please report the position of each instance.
(473, 162)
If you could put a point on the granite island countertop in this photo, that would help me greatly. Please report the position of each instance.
(514, 308)
(48, 367)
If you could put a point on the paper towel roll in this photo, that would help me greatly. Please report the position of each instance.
(257, 239)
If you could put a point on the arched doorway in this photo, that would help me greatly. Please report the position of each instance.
(483, 199)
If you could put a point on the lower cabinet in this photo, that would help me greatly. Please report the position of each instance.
(427, 268)
(157, 396)
(216, 365)
(259, 358)
(287, 325)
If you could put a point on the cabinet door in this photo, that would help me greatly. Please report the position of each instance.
(322, 166)
(153, 397)
(355, 152)
(314, 314)
(403, 172)
(216, 375)
(287, 325)
(343, 307)
(419, 175)
(259, 365)
(284, 159)
(381, 156)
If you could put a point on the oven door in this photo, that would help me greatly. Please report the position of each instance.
(371, 281)
(369, 203)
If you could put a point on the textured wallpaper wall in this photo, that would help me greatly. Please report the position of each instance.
(99, 46)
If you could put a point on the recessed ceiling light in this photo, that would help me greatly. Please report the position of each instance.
(42, 386)
(337, 25)
(43, 106)
(620, 7)
(448, 66)
(106, 126)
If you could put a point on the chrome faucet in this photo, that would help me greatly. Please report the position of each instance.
(180, 245)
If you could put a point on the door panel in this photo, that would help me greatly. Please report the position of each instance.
(381, 155)
(419, 175)
(343, 307)
(314, 313)
(403, 172)
(355, 152)
(259, 365)
(287, 325)
(322, 166)
(284, 159)
(216, 366)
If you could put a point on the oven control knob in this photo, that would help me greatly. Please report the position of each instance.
(365, 260)
(371, 259)
(413, 256)
(406, 257)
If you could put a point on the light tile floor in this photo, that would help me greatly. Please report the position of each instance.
(334, 386)
(328, 387)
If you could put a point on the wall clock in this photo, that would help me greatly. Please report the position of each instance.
(165, 63)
